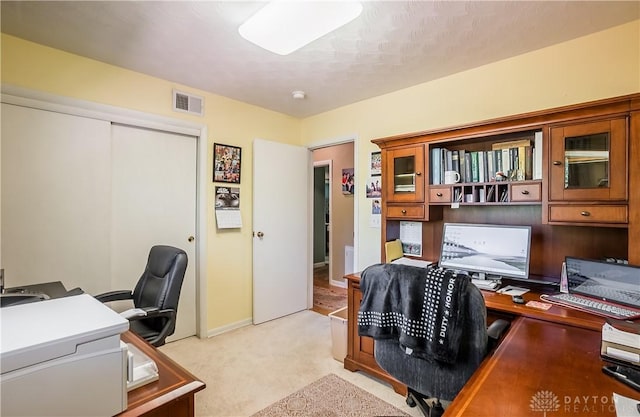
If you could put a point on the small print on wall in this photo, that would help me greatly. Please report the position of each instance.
(376, 163)
(348, 181)
(226, 163)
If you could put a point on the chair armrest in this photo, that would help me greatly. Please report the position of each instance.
(114, 296)
(153, 312)
(497, 328)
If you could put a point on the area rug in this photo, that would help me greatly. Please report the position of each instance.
(329, 299)
(330, 396)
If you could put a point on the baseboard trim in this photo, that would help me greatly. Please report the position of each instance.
(229, 327)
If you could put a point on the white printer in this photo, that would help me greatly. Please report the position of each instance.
(63, 357)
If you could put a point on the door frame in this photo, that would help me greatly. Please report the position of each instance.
(51, 102)
(353, 138)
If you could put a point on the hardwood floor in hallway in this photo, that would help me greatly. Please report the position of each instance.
(326, 298)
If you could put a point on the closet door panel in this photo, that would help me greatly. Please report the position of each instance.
(55, 199)
(154, 202)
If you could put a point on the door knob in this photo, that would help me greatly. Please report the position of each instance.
(191, 238)
(260, 235)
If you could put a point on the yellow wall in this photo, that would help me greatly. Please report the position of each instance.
(229, 275)
(601, 65)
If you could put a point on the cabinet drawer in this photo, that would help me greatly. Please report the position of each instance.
(588, 213)
(526, 192)
(440, 195)
(406, 211)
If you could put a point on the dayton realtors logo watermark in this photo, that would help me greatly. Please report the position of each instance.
(548, 402)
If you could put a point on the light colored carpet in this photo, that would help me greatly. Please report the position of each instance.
(330, 396)
(252, 367)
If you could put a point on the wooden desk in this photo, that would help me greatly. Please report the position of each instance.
(539, 358)
(172, 395)
(556, 351)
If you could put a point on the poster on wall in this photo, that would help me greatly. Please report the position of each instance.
(348, 181)
(376, 163)
(226, 163)
(227, 208)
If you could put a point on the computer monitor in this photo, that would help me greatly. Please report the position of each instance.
(492, 251)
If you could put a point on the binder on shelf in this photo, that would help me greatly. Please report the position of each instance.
(435, 165)
(481, 165)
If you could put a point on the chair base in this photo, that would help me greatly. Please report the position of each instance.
(414, 398)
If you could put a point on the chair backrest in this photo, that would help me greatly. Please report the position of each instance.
(161, 282)
(438, 379)
(392, 250)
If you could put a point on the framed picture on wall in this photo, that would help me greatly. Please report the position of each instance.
(226, 163)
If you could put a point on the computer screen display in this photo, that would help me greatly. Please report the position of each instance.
(607, 281)
(495, 250)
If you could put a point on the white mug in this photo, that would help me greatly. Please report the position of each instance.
(451, 177)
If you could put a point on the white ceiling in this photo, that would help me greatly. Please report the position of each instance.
(392, 45)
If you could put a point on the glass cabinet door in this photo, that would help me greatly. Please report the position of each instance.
(589, 161)
(404, 174)
(404, 178)
(586, 161)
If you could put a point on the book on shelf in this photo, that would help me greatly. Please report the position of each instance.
(481, 165)
(448, 161)
(468, 171)
(537, 156)
(511, 144)
(474, 166)
(461, 156)
(455, 161)
(528, 162)
(491, 169)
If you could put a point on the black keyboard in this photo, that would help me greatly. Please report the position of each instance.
(590, 305)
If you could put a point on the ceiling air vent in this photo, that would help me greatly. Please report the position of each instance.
(188, 103)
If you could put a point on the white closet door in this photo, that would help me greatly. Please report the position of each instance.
(154, 202)
(55, 199)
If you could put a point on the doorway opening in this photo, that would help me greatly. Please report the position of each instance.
(333, 226)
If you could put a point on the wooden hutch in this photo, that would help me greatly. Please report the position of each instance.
(582, 200)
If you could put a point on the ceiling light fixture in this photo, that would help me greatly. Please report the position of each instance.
(298, 95)
(286, 26)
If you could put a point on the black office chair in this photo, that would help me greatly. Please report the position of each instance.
(155, 296)
(430, 329)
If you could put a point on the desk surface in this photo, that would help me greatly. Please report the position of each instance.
(539, 360)
(175, 385)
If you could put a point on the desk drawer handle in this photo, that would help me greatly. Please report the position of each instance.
(439, 194)
(557, 163)
(525, 192)
(404, 211)
(585, 213)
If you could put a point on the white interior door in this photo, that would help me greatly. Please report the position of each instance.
(55, 199)
(281, 226)
(153, 202)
